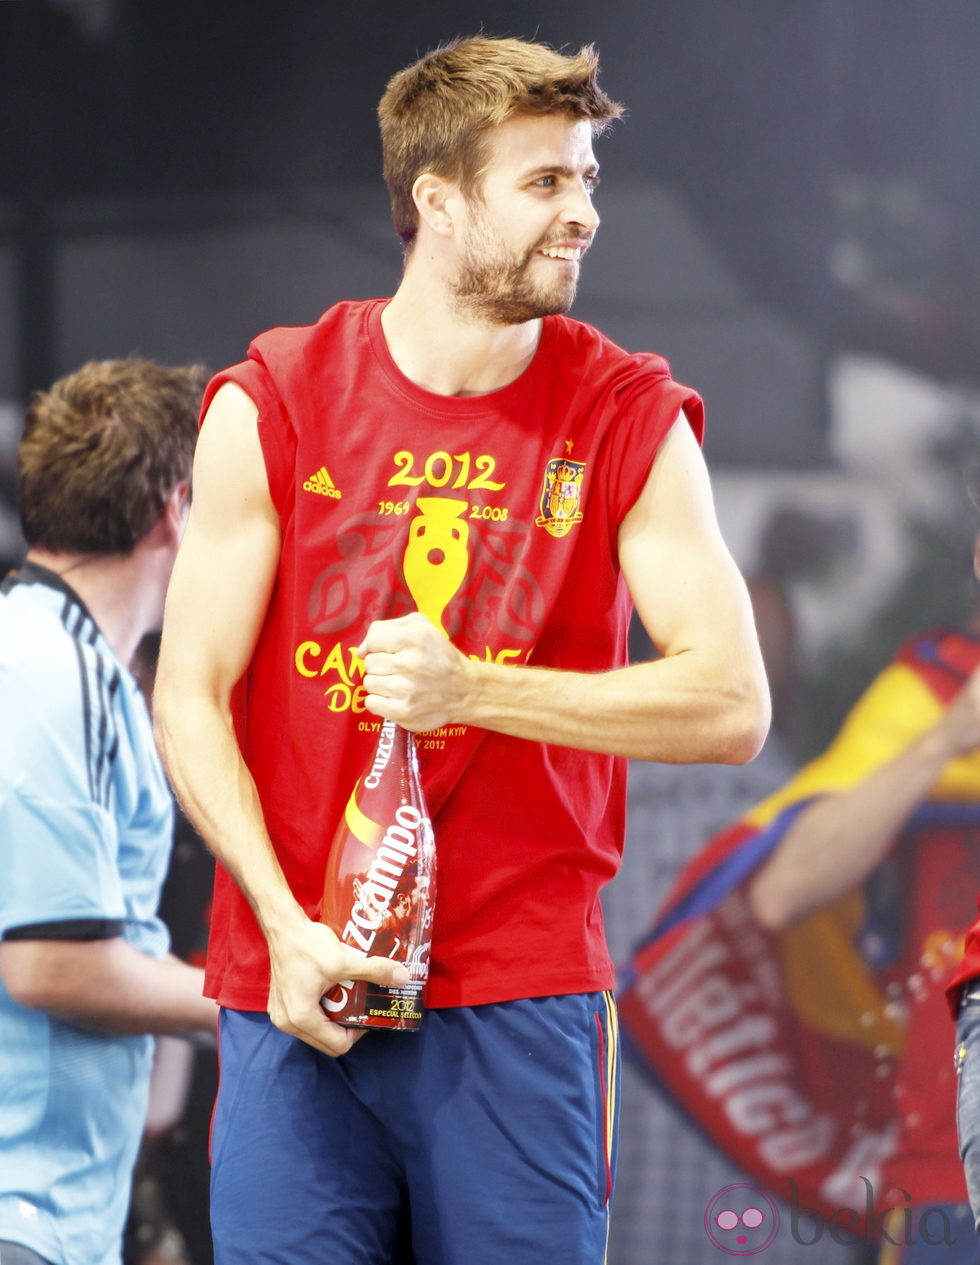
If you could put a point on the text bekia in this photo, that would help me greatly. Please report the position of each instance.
(897, 1224)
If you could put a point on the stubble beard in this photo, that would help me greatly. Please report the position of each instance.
(497, 288)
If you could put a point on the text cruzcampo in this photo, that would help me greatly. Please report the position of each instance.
(386, 740)
(377, 890)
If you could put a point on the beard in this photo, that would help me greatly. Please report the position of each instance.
(498, 287)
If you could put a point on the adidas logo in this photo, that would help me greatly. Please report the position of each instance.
(321, 482)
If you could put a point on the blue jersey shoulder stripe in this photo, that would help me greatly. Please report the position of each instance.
(98, 680)
(86, 711)
(108, 731)
(99, 684)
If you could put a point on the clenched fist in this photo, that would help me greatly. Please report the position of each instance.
(414, 675)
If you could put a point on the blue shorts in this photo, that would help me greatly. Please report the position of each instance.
(488, 1136)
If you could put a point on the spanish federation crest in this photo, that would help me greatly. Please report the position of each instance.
(561, 496)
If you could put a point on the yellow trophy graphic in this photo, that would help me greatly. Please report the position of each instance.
(436, 556)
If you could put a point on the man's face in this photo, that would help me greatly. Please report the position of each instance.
(524, 230)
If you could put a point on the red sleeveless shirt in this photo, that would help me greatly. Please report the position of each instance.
(497, 517)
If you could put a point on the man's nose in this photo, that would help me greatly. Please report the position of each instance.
(578, 209)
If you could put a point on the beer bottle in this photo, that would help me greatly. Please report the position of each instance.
(380, 885)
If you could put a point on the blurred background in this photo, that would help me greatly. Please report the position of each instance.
(791, 216)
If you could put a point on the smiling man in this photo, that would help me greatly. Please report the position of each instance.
(436, 509)
(506, 274)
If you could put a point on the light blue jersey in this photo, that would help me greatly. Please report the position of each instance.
(85, 832)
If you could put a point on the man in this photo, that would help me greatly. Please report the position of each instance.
(396, 927)
(845, 895)
(894, 804)
(395, 511)
(85, 812)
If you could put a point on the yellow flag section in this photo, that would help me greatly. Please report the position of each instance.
(895, 710)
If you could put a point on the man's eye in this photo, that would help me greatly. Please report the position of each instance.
(592, 183)
(546, 182)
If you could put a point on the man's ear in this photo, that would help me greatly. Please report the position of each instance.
(175, 508)
(433, 197)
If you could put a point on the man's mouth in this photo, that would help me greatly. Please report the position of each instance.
(567, 251)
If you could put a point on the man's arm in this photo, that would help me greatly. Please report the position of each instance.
(215, 606)
(106, 985)
(838, 840)
(706, 699)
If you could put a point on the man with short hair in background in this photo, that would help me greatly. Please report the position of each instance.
(86, 816)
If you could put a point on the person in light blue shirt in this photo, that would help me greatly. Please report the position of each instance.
(86, 816)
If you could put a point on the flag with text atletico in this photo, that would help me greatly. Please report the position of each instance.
(823, 1053)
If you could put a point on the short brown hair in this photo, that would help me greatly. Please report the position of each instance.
(436, 113)
(102, 450)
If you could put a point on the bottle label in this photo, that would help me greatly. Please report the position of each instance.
(378, 897)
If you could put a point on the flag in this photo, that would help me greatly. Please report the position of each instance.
(808, 1055)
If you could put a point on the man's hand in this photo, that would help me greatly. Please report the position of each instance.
(413, 674)
(306, 963)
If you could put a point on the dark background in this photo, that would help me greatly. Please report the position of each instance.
(795, 178)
